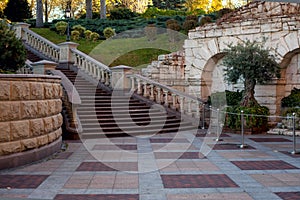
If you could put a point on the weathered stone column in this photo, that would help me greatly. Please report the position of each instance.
(66, 58)
(119, 81)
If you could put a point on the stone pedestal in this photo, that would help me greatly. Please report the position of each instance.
(18, 30)
(42, 66)
(66, 58)
(119, 81)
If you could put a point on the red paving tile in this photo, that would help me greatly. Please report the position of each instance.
(21, 181)
(289, 195)
(178, 155)
(197, 181)
(263, 165)
(108, 166)
(229, 147)
(97, 197)
(268, 139)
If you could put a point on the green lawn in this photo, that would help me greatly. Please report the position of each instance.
(134, 52)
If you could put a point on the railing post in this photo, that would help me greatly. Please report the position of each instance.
(181, 105)
(119, 79)
(19, 30)
(66, 57)
(145, 89)
(174, 101)
(189, 112)
(132, 84)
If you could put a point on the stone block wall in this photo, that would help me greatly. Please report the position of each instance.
(30, 107)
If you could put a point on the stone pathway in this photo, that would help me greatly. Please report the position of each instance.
(163, 167)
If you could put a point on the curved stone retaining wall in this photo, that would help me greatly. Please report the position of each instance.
(30, 118)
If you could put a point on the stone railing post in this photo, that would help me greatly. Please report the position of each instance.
(66, 58)
(119, 78)
(19, 30)
(42, 66)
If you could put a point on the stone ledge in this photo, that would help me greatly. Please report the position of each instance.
(26, 157)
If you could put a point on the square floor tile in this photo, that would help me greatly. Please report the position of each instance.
(108, 166)
(211, 135)
(21, 181)
(288, 195)
(198, 181)
(97, 197)
(178, 155)
(270, 139)
(263, 165)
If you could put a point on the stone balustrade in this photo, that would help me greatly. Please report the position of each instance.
(30, 116)
(37, 42)
(92, 67)
(167, 96)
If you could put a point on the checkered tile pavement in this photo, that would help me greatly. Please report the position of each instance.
(162, 167)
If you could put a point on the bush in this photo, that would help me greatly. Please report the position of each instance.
(171, 21)
(80, 29)
(293, 100)
(288, 113)
(12, 50)
(191, 17)
(109, 32)
(122, 13)
(87, 34)
(229, 98)
(151, 32)
(255, 117)
(61, 27)
(205, 20)
(75, 35)
(189, 24)
(95, 36)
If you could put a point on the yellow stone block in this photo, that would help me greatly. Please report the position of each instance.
(20, 90)
(19, 130)
(10, 147)
(4, 90)
(36, 127)
(48, 124)
(4, 131)
(29, 109)
(9, 111)
(37, 91)
(29, 143)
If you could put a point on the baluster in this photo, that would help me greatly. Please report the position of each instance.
(145, 89)
(181, 105)
(158, 98)
(102, 76)
(107, 78)
(98, 74)
(174, 101)
(132, 84)
(166, 103)
(139, 89)
(197, 114)
(189, 112)
(151, 92)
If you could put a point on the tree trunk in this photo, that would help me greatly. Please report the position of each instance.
(102, 9)
(39, 14)
(46, 10)
(249, 99)
(89, 11)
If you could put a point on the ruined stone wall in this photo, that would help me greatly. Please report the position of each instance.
(30, 107)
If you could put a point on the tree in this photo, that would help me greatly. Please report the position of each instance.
(17, 10)
(39, 13)
(253, 64)
(103, 9)
(169, 4)
(88, 7)
(12, 50)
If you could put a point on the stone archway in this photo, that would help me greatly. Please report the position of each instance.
(279, 23)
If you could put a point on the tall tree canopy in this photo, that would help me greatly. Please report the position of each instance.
(17, 10)
(250, 62)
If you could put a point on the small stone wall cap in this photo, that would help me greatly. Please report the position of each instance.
(44, 62)
(121, 67)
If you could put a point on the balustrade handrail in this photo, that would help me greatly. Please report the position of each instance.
(90, 59)
(48, 42)
(164, 87)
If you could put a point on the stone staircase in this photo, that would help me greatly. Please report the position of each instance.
(106, 113)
